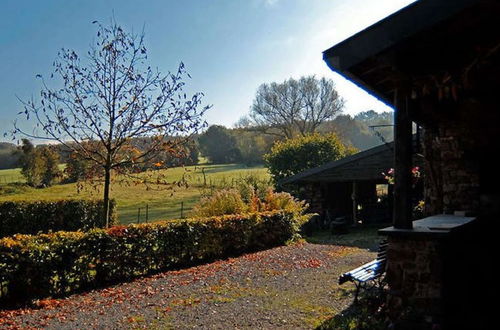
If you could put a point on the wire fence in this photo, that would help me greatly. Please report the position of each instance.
(206, 186)
(144, 213)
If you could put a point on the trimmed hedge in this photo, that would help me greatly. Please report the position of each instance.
(60, 263)
(45, 216)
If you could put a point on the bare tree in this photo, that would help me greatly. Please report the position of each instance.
(295, 107)
(110, 97)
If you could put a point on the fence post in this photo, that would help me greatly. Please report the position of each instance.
(204, 177)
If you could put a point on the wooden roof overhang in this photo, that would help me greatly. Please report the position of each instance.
(434, 62)
(367, 165)
(439, 50)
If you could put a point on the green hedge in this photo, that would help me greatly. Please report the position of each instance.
(63, 262)
(45, 216)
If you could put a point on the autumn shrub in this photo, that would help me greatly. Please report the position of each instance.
(283, 201)
(247, 199)
(59, 263)
(247, 185)
(23, 217)
(225, 201)
(250, 186)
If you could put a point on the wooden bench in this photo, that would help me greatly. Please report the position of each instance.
(370, 274)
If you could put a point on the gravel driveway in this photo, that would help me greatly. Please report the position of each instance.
(289, 287)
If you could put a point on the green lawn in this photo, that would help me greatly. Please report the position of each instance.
(11, 175)
(162, 203)
(14, 175)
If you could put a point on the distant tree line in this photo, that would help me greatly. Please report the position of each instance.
(40, 164)
(9, 158)
(244, 143)
(247, 143)
(185, 153)
(237, 145)
(292, 109)
(365, 130)
(280, 111)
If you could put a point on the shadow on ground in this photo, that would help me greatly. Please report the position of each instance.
(362, 236)
(367, 314)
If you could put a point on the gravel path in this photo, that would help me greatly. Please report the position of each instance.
(290, 287)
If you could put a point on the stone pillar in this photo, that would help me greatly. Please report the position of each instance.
(414, 273)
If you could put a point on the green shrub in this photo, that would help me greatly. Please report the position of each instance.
(44, 216)
(293, 156)
(59, 263)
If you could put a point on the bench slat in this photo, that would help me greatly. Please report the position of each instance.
(368, 274)
(370, 270)
(363, 267)
(364, 273)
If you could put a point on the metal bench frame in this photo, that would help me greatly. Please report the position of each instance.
(369, 275)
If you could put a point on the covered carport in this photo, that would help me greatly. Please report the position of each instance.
(354, 187)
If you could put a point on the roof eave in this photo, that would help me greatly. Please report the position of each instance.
(386, 33)
(307, 173)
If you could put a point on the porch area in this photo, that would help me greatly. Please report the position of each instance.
(437, 63)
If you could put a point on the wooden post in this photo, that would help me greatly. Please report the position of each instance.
(402, 211)
(204, 177)
(354, 204)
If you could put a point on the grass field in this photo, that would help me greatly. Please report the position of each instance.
(162, 203)
(11, 175)
(14, 175)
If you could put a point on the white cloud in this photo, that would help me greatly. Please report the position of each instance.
(266, 3)
(270, 2)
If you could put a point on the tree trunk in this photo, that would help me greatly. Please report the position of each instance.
(107, 181)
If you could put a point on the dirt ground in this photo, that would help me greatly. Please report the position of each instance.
(289, 287)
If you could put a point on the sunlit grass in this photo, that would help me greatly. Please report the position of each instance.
(11, 175)
(14, 175)
(162, 203)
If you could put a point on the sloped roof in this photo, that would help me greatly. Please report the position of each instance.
(424, 38)
(364, 165)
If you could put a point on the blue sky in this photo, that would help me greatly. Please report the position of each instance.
(230, 47)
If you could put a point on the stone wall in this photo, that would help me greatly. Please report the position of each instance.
(414, 273)
(314, 194)
(452, 173)
(430, 275)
